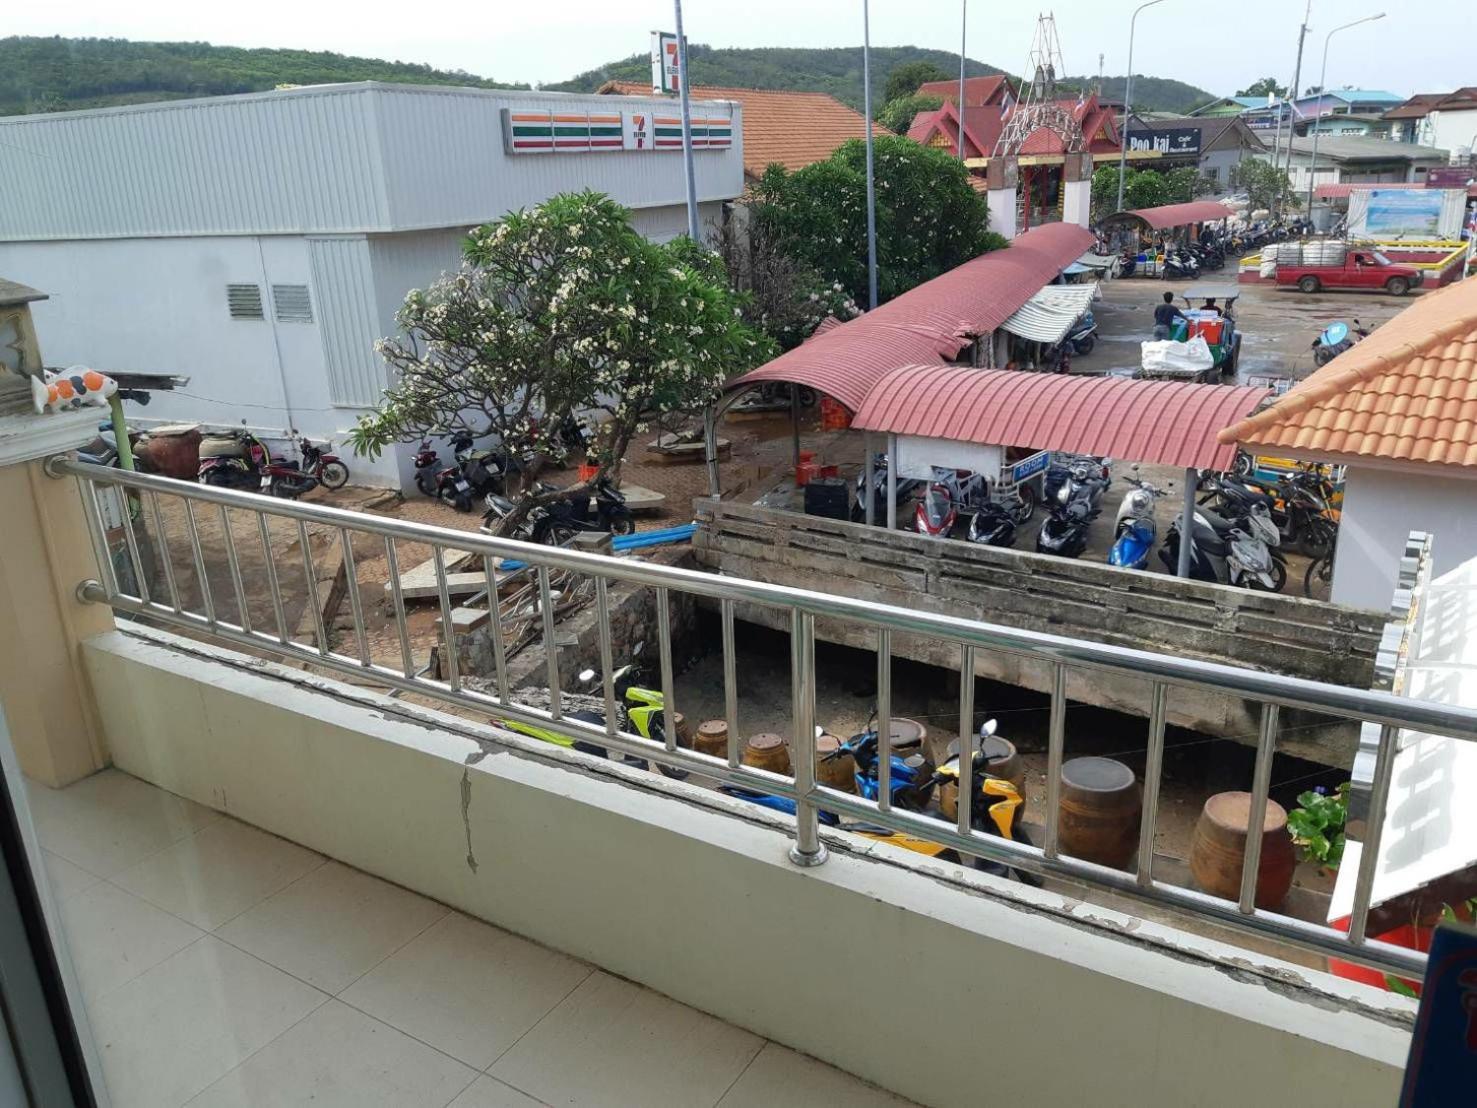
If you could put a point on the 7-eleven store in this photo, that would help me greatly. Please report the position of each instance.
(260, 244)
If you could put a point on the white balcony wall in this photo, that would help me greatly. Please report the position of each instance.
(951, 989)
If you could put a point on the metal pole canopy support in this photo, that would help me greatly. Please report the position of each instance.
(1187, 523)
(1322, 80)
(795, 427)
(963, 38)
(869, 478)
(1127, 103)
(891, 482)
(710, 450)
(692, 229)
(871, 183)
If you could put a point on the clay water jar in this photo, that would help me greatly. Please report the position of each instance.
(1101, 807)
(767, 750)
(1218, 849)
(838, 773)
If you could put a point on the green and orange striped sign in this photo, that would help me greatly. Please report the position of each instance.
(527, 131)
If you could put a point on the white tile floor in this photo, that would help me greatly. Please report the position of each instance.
(223, 966)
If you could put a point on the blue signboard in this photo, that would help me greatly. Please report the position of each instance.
(1442, 1069)
(1031, 466)
(1404, 213)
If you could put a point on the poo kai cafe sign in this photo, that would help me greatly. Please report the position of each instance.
(561, 131)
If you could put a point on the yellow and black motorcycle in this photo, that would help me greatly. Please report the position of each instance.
(996, 806)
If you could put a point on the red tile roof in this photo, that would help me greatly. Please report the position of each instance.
(978, 91)
(1407, 393)
(791, 128)
(1341, 190)
(1165, 422)
(1424, 103)
(983, 127)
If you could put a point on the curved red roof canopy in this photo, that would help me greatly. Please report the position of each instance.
(1168, 422)
(1179, 215)
(929, 323)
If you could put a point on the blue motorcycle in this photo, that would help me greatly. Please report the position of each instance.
(1136, 530)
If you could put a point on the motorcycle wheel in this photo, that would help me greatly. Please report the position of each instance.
(807, 397)
(1084, 346)
(1279, 580)
(334, 475)
(1027, 506)
(1316, 539)
(1242, 466)
(216, 478)
(1318, 580)
(621, 523)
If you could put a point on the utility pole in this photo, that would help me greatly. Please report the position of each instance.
(1292, 95)
(1128, 103)
(963, 38)
(692, 228)
(1323, 84)
(871, 182)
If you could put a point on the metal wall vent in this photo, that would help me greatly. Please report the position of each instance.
(290, 304)
(245, 301)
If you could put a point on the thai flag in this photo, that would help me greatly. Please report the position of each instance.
(1006, 105)
(1081, 99)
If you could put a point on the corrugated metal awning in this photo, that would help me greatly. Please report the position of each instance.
(1051, 312)
(1169, 422)
(1177, 215)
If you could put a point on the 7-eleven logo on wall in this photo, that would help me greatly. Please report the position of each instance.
(664, 74)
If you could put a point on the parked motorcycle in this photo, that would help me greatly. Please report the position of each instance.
(1064, 531)
(1081, 478)
(330, 470)
(1083, 335)
(445, 483)
(560, 521)
(910, 771)
(1297, 502)
(1135, 529)
(253, 467)
(482, 469)
(992, 525)
(1180, 265)
(950, 490)
(1335, 339)
(1242, 552)
(906, 487)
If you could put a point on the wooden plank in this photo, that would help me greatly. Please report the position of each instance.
(419, 583)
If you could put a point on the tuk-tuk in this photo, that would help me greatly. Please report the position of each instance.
(1217, 328)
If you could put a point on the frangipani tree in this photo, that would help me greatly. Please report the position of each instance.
(561, 311)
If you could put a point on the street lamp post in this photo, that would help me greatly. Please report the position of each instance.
(1128, 102)
(687, 167)
(963, 38)
(871, 182)
(1322, 91)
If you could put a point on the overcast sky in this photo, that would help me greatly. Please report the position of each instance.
(1219, 46)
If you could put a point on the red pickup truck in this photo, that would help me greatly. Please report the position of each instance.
(1362, 269)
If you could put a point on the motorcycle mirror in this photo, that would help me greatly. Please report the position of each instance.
(586, 676)
(637, 649)
(988, 728)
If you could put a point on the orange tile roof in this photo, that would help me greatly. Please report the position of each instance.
(1406, 393)
(791, 128)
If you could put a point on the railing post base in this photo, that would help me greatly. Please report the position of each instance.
(808, 859)
(91, 592)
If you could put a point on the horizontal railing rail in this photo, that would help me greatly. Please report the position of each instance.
(1162, 672)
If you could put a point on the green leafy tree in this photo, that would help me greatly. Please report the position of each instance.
(1185, 184)
(929, 218)
(1264, 183)
(783, 297)
(907, 78)
(1146, 189)
(1267, 86)
(558, 311)
(897, 115)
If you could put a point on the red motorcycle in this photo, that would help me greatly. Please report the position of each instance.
(253, 467)
(330, 470)
(446, 484)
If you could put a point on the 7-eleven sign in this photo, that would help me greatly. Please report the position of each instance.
(664, 76)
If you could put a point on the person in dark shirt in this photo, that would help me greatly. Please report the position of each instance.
(1165, 315)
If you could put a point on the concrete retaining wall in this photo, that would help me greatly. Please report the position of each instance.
(867, 962)
(1036, 592)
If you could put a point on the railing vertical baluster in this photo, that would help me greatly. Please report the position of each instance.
(968, 743)
(170, 583)
(310, 575)
(272, 584)
(551, 646)
(807, 850)
(356, 605)
(730, 682)
(131, 538)
(1056, 740)
(664, 650)
(198, 554)
(448, 636)
(92, 508)
(1374, 828)
(1153, 774)
(1261, 783)
(234, 562)
(607, 653)
(397, 602)
(884, 718)
(495, 620)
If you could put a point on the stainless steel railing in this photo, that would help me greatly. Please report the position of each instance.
(1273, 692)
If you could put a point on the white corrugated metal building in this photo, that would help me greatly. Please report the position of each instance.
(260, 244)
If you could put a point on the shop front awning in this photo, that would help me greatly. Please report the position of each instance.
(1051, 312)
(1175, 215)
(1166, 422)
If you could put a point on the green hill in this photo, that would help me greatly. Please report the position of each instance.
(836, 70)
(59, 74)
(1152, 94)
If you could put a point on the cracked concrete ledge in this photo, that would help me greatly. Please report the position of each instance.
(1320, 990)
(697, 900)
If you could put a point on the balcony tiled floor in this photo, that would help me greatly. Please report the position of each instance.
(223, 966)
